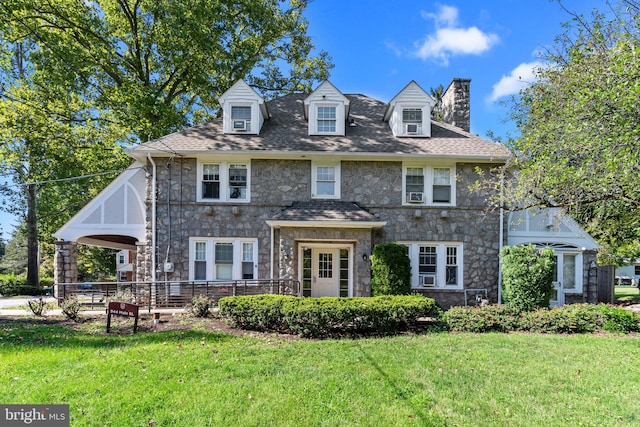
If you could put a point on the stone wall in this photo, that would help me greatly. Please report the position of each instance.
(456, 104)
(65, 263)
(376, 186)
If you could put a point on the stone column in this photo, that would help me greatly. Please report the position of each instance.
(140, 269)
(65, 265)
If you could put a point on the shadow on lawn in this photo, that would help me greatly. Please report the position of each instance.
(46, 332)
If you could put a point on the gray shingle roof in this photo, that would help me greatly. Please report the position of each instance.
(286, 132)
(324, 210)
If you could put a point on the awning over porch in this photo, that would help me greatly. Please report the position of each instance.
(325, 213)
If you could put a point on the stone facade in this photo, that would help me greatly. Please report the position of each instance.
(456, 104)
(65, 264)
(275, 184)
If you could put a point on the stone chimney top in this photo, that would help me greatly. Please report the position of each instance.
(456, 105)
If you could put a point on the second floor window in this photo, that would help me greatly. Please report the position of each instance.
(223, 182)
(424, 185)
(326, 181)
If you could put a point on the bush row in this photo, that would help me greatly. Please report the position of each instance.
(573, 318)
(325, 317)
(11, 285)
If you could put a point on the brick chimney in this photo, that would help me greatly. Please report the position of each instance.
(456, 104)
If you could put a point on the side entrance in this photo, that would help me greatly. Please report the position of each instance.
(326, 270)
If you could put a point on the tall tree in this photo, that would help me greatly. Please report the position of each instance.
(78, 77)
(580, 127)
(436, 93)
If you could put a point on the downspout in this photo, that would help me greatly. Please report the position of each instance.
(501, 239)
(153, 221)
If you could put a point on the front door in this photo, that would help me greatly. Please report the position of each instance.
(325, 272)
(565, 277)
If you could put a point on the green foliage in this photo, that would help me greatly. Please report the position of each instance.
(325, 317)
(490, 318)
(200, 306)
(580, 141)
(15, 258)
(617, 319)
(12, 285)
(390, 270)
(569, 319)
(527, 276)
(259, 312)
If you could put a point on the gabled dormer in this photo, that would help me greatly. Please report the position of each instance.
(326, 110)
(409, 112)
(243, 110)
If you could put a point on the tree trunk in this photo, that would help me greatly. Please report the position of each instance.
(32, 237)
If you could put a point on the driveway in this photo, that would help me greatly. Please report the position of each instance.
(8, 302)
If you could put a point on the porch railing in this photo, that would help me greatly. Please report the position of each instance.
(170, 294)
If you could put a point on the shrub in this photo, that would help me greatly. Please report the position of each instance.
(258, 312)
(490, 318)
(200, 306)
(390, 270)
(527, 276)
(323, 317)
(70, 308)
(37, 307)
(11, 285)
(570, 319)
(617, 319)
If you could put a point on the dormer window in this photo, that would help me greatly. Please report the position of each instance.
(241, 118)
(326, 119)
(412, 121)
(409, 112)
(243, 110)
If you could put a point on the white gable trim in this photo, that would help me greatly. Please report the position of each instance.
(243, 95)
(119, 209)
(412, 96)
(326, 95)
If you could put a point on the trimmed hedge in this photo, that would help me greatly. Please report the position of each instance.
(324, 317)
(12, 285)
(572, 318)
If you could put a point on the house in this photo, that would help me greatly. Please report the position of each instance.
(628, 275)
(124, 266)
(302, 187)
(575, 273)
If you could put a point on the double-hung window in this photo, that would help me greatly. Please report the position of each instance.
(326, 119)
(427, 185)
(222, 259)
(412, 121)
(436, 265)
(325, 181)
(241, 118)
(223, 182)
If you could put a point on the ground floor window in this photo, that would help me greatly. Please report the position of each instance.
(222, 259)
(436, 265)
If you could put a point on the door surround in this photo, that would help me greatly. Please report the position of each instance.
(333, 245)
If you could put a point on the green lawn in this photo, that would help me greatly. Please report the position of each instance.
(198, 377)
(627, 294)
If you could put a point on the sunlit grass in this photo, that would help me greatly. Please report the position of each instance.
(197, 377)
(627, 294)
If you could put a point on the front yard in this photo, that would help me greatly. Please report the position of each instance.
(201, 375)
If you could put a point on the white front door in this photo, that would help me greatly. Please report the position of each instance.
(325, 272)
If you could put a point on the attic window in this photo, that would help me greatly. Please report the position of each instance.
(241, 118)
(326, 119)
(412, 120)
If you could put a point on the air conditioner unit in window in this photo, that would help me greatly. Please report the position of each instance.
(412, 129)
(428, 280)
(239, 125)
(416, 197)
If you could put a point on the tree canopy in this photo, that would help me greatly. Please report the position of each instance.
(580, 128)
(82, 80)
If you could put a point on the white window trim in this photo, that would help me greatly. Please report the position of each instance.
(210, 256)
(228, 119)
(425, 125)
(224, 182)
(428, 184)
(441, 257)
(313, 119)
(314, 180)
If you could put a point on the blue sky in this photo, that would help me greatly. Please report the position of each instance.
(378, 46)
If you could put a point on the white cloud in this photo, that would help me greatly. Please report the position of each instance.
(521, 76)
(451, 39)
